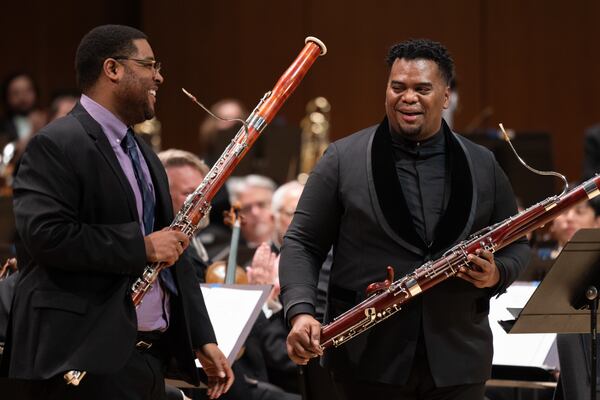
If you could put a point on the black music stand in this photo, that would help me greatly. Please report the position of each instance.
(565, 301)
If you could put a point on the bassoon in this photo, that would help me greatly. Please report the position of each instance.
(197, 204)
(388, 297)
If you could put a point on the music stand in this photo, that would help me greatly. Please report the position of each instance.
(560, 303)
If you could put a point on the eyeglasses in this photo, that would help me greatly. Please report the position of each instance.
(261, 205)
(155, 65)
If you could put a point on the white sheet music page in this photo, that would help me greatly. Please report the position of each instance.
(233, 309)
(532, 349)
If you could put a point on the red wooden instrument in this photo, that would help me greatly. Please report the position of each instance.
(388, 297)
(197, 204)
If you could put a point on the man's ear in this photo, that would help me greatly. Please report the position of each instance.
(112, 69)
(446, 98)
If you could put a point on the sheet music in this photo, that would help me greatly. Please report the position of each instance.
(233, 309)
(531, 350)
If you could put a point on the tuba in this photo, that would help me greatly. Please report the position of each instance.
(315, 135)
(150, 130)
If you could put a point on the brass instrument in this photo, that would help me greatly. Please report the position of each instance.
(315, 135)
(150, 130)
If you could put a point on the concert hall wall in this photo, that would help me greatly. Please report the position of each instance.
(532, 65)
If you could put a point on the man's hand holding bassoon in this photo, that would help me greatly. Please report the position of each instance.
(165, 246)
(483, 272)
(303, 340)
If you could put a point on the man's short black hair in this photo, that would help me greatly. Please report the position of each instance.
(424, 49)
(99, 44)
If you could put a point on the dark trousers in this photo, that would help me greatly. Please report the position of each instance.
(420, 386)
(142, 378)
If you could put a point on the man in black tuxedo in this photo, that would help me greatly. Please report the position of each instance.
(401, 193)
(91, 201)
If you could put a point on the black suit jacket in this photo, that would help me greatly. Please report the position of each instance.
(353, 201)
(81, 249)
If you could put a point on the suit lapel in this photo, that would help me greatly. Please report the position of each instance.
(387, 197)
(389, 203)
(94, 130)
(457, 220)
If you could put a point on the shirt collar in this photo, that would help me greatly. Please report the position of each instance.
(435, 144)
(114, 129)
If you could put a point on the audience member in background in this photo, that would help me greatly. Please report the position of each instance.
(21, 116)
(62, 103)
(283, 207)
(21, 120)
(265, 263)
(254, 194)
(186, 172)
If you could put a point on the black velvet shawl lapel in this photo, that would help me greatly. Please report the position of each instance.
(387, 186)
(458, 216)
(459, 212)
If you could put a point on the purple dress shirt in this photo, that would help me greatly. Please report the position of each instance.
(153, 313)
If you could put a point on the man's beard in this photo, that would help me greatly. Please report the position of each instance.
(132, 109)
(134, 106)
(22, 112)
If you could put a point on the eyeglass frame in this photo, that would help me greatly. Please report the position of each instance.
(155, 65)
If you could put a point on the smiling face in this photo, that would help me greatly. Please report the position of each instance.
(138, 86)
(415, 97)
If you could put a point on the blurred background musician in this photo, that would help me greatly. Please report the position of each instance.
(254, 194)
(22, 116)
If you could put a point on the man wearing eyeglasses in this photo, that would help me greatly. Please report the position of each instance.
(91, 202)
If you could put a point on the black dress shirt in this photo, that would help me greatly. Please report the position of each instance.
(423, 174)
